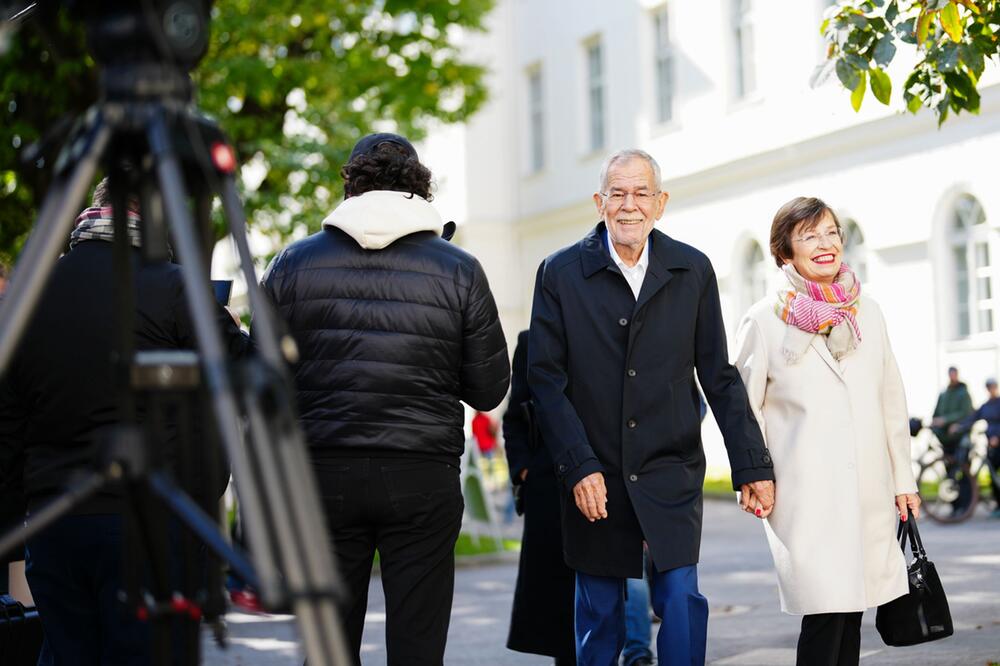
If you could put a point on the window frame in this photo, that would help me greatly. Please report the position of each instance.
(535, 94)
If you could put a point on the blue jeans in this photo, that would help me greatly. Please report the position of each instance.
(600, 618)
(638, 624)
(74, 571)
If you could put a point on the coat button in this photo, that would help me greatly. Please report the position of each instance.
(562, 468)
(623, 322)
(631, 372)
(633, 477)
(631, 423)
(766, 458)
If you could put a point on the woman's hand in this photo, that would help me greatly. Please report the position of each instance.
(911, 500)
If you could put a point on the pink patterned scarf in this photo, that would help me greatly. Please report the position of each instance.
(825, 309)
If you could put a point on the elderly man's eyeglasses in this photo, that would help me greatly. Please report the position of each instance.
(617, 197)
(813, 239)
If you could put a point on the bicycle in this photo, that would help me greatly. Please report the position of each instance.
(943, 478)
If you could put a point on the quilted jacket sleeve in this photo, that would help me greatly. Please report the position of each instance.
(485, 373)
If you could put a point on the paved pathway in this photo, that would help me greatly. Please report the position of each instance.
(745, 625)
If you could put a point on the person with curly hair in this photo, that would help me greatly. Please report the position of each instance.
(395, 327)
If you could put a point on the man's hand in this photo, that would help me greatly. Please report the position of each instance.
(591, 496)
(524, 474)
(757, 498)
(937, 421)
(994, 442)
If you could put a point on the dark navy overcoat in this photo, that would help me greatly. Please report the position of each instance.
(613, 382)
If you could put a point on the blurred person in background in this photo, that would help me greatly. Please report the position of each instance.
(58, 404)
(3, 278)
(953, 405)
(484, 430)
(825, 389)
(395, 327)
(541, 618)
(989, 412)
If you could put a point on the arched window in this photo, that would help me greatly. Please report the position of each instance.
(855, 253)
(972, 254)
(754, 274)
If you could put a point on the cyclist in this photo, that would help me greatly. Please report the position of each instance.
(953, 405)
(989, 412)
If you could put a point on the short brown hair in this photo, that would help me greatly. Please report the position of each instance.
(789, 216)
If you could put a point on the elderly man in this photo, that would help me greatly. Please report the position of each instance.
(620, 323)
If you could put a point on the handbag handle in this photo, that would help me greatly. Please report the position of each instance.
(909, 527)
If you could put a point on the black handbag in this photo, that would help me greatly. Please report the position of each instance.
(922, 615)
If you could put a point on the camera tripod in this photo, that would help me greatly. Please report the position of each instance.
(157, 149)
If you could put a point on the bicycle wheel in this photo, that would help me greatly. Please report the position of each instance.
(948, 491)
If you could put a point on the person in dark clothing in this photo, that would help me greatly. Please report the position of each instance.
(989, 411)
(395, 326)
(953, 404)
(541, 619)
(58, 403)
(620, 323)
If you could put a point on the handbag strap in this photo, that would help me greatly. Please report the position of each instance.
(909, 528)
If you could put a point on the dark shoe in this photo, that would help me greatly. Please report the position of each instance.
(641, 661)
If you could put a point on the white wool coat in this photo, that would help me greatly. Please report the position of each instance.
(838, 435)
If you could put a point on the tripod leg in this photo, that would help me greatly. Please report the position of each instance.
(51, 231)
(198, 522)
(200, 303)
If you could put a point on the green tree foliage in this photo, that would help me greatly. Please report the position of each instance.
(953, 38)
(293, 83)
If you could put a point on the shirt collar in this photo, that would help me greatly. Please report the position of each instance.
(643, 258)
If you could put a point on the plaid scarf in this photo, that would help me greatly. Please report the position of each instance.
(97, 224)
(812, 308)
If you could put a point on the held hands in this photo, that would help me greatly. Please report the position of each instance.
(757, 498)
(591, 496)
(911, 500)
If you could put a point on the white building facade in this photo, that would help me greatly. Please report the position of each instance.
(718, 92)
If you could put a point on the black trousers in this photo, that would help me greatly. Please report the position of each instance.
(830, 639)
(410, 511)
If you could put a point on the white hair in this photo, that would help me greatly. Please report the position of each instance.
(625, 156)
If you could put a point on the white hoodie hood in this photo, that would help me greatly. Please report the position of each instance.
(378, 218)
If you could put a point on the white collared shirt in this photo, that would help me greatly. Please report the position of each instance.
(634, 275)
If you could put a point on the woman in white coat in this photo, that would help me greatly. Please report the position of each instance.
(825, 389)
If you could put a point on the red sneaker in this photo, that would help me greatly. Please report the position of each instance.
(246, 600)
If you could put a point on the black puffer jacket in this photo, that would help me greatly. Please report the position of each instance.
(395, 326)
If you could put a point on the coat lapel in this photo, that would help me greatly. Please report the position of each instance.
(663, 259)
(819, 344)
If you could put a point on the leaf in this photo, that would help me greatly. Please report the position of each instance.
(881, 86)
(848, 75)
(885, 50)
(891, 12)
(914, 103)
(859, 93)
(923, 25)
(906, 31)
(857, 61)
(859, 21)
(951, 22)
(947, 57)
(970, 5)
